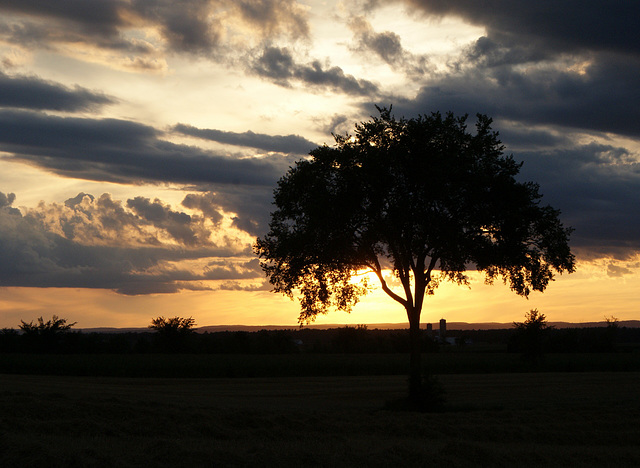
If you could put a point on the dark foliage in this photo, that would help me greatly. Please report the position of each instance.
(54, 335)
(172, 333)
(531, 335)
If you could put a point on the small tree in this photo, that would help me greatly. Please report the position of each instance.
(610, 333)
(530, 335)
(173, 331)
(45, 336)
(420, 199)
(54, 326)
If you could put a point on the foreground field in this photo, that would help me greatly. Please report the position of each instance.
(303, 365)
(533, 419)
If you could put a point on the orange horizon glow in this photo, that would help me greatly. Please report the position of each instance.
(589, 295)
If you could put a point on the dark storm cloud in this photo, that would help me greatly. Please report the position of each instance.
(388, 46)
(519, 136)
(206, 203)
(177, 224)
(597, 188)
(278, 143)
(28, 92)
(46, 25)
(186, 25)
(33, 254)
(189, 26)
(489, 53)
(279, 65)
(558, 27)
(100, 16)
(601, 99)
(582, 62)
(251, 205)
(125, 152)
(271, 16)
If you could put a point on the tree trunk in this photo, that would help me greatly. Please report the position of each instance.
(415, 365)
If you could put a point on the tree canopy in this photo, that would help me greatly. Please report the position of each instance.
(173, 325)
(51, 327)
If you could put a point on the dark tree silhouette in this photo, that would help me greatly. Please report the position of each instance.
(530, 335)
(45, 336)
(51, 327)
(422, 199)
(610, 332)
(173, 331)
(173, 325)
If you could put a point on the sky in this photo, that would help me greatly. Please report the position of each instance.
(141, 140)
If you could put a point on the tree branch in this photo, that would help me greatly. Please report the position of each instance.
(385, 287)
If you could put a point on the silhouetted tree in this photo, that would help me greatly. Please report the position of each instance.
(45, 336)
(610, 333)
(53, 326)
(420, 200)
(530, 335)
(173, 331)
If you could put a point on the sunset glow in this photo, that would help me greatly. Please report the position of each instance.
(140, 143)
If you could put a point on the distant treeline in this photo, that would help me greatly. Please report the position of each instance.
(306, 340)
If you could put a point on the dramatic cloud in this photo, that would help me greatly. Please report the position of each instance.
(150, 27)
(140, 222)
(562, 27)
(97, 243)
(188, 26)
(279, 65)
(596, 187)
(33, 93)
(572, 64)
(595, 99)
(124, 152)
(177, 224)
(205, 203)
(275, 17)
(388, 46)
(99, 16)
(282, 144)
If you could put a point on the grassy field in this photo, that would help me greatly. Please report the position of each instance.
(302, 365)
(515, 419)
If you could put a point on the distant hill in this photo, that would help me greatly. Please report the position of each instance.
(371, 326)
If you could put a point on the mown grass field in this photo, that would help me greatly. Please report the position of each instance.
(547, 419)
(492, 419)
